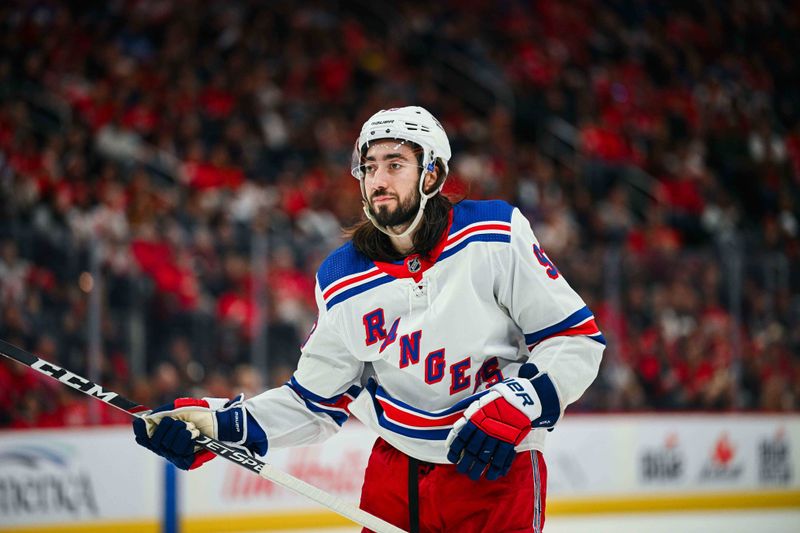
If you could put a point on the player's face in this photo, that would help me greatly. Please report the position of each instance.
(391, 182)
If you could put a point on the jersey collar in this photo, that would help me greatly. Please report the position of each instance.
(413, 266)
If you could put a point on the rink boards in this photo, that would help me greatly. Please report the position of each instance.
(100, 480)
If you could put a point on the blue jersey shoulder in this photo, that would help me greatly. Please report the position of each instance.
(342, 262)
(468, 212)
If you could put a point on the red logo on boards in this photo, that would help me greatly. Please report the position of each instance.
(721, 466)
(723, 451)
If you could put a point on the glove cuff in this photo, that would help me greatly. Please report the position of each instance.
(236, 426)
(231, 422)
(549, 401)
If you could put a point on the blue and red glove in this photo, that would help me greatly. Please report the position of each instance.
(483, 440)
(170, 430)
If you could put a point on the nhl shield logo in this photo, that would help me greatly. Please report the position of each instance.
(414, 265)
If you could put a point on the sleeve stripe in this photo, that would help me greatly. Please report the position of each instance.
(337, 407)
(588, 329)
(581, 322)
(337, 416)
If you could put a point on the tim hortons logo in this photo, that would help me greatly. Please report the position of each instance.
(666, 463)
(774, 462)
(721, 465)
(342, 477)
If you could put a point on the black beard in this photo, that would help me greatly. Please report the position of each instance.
(403, 214)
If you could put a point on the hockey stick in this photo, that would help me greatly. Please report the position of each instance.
(257, 466)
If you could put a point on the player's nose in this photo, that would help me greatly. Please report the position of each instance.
(382, 174)
(380, 179)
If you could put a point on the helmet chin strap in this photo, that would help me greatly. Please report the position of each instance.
(423, 200)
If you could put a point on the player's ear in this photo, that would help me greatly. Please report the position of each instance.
(431, 179)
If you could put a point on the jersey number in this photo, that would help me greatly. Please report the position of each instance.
(552, 271)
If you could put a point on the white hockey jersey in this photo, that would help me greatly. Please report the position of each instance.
(407, 346)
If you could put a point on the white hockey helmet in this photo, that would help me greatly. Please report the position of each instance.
(414, 124)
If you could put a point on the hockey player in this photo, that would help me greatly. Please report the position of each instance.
(444, 328)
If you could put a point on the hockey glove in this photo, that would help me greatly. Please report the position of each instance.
(170, 430)
(483, 440)
(173, 441)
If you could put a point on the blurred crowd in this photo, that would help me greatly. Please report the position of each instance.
(173, 172)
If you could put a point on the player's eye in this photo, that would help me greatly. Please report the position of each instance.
(394, 165)
(370, 168)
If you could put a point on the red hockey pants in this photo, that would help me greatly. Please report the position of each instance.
(450, 501)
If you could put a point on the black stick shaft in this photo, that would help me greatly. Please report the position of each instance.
(120, 402)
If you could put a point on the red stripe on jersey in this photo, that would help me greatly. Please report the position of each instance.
(341, 403)
(587, 328)
(411, 419)
(482, 227)
(352, 281)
